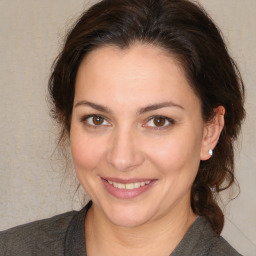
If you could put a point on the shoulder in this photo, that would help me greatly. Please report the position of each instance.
(201, 240)
(220, 247)
(45, 234)
(211, 243)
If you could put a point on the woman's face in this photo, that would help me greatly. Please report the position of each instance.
(136, 134)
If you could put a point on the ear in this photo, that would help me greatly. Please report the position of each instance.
(212, 131)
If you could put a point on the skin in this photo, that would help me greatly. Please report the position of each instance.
(128, 144)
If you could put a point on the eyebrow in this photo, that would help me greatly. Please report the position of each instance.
(143, 110)
(158, 106)
(98, 107)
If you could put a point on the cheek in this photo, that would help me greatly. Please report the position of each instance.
(86, 150)
(177, 153)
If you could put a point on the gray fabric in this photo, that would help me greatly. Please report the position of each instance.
(59, 235)
(201, 240)
(64, 235)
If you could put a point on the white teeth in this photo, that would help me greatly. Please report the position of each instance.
(128, 186)
(136, 185)
(121, 186)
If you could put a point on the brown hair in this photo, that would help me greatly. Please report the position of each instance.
(186, 31)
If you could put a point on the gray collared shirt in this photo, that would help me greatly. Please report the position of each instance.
(64, 235)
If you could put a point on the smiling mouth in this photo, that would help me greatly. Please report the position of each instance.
(127, 189)
(128, 186)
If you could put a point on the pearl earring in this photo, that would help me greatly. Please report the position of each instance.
(210, 152)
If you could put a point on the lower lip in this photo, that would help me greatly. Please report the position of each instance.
(127, 193)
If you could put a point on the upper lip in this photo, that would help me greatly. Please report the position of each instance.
(126, 181)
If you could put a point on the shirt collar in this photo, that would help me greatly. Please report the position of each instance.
(74, 243)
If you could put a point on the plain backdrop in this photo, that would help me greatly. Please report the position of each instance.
(31, 176)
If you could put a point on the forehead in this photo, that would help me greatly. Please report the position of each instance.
(140, 72)
(136, 58)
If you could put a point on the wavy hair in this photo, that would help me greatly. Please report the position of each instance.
(185, 30)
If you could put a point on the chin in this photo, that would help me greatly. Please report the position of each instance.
(127, 216)
(128, 221)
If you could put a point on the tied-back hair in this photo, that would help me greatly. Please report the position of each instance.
(186, 32)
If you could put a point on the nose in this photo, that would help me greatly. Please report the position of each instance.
(124, 153)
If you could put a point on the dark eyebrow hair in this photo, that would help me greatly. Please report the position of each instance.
(98, 107)
(158, 106)
(143, 110)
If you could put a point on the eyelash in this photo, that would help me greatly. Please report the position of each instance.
(84, 120)
(166, 119)
(170, 121)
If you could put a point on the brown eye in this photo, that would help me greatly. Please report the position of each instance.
(97, 120)
(159, 121)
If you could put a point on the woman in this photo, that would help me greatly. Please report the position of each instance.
(151, 102)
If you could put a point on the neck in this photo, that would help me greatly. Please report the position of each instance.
(157, 237)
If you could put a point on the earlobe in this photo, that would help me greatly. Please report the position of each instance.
(212, 131)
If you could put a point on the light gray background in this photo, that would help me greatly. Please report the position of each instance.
(31, 178)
